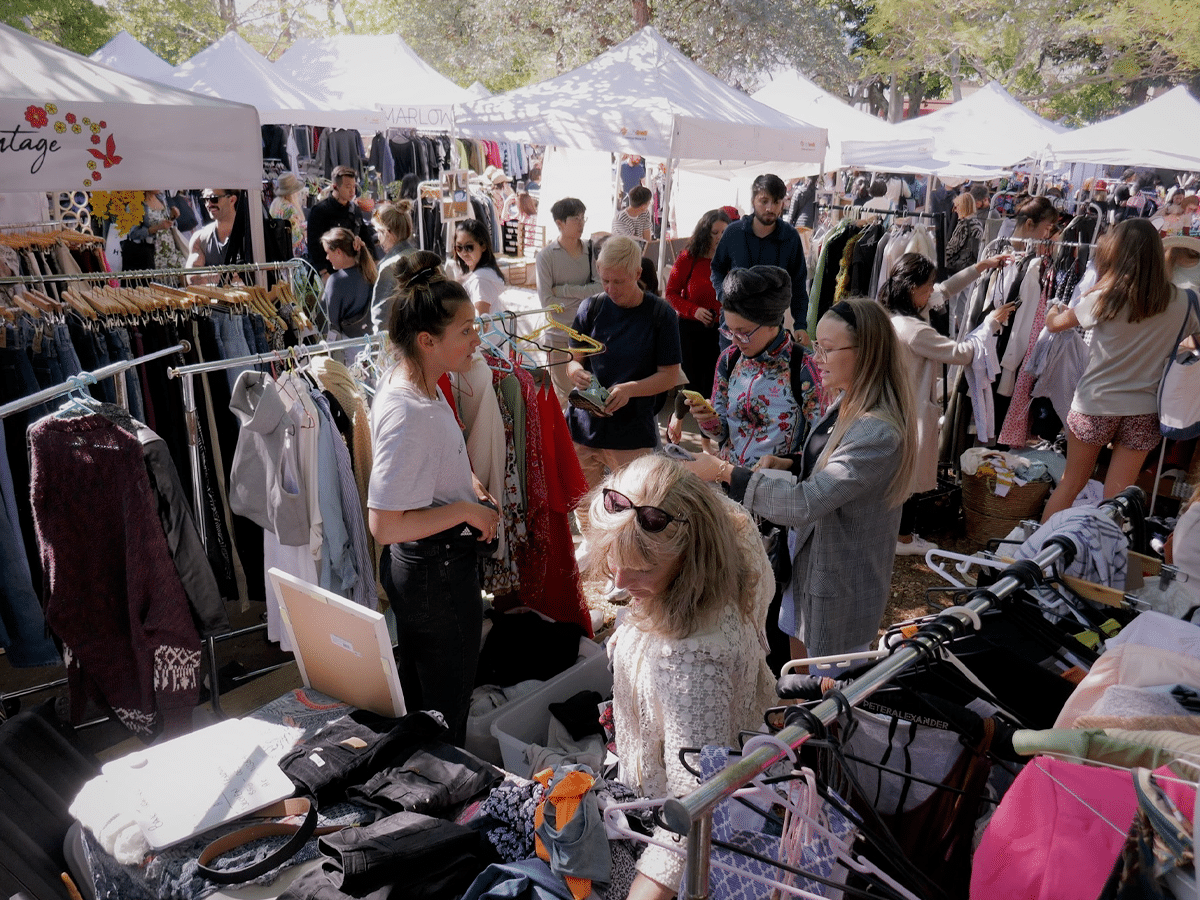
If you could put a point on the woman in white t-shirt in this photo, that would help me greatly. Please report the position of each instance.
(478, 271)
(1135, 315)
(423, 500)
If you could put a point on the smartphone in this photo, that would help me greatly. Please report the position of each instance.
(697, 397)
(676, 452)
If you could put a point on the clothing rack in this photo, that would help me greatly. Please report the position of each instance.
(293, 354)
(938, 219)
(26, 226)
(692, 815)
(151, 274)
(78, 383)
(84, 379)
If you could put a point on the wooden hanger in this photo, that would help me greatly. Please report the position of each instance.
(79, 304)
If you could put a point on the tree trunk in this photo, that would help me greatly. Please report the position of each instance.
(916, 95)
(955, 76)
(895, 105)
(641, 13)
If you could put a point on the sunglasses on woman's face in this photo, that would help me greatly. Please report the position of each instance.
(464, 248)
(651, 518)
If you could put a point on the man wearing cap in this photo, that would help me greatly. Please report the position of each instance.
(337, 210)
(764, 239)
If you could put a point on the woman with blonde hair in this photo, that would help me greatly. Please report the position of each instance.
(394, 230)
(854, 475)
(1135, 315)
(962, 250)
(688, 660)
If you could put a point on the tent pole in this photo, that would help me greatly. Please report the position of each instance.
(258, 243)
(668, 196)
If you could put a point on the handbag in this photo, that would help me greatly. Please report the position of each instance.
(1179, 389)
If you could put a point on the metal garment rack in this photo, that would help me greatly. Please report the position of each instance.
(291, 355)
(77, 383)
(938, 219)
(151, 274)
(692, 815)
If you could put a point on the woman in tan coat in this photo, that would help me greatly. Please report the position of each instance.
(908, 294)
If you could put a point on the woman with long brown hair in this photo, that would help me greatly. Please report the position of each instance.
(1135, 315)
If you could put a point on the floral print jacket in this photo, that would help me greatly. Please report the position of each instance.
(758, 412)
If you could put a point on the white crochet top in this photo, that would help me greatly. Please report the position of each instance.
(703, 689)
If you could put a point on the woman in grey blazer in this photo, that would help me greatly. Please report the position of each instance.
(854, 475)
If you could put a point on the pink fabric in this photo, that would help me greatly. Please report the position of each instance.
(1045, 844)
(1015, 432)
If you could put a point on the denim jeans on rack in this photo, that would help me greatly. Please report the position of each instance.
(119, 348)
(47, 368)
(67, 357)
(259, 326)
(23, 632)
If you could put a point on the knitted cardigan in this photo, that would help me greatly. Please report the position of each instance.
(112, 593)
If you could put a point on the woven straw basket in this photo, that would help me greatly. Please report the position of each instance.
(989, 516)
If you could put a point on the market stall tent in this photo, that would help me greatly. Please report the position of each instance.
(643, 96)
(990, 128)
(233, 70)
(126, 54)
(1161, 133)
(794, 95)
(68, 123)
(360, 73)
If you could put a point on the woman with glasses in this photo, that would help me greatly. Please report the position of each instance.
(767, 391)
(687, 659)
(422, 493)
(853, 474)
(478, 271)
(908, 294)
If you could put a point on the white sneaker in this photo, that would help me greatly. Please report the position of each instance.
(918, 546)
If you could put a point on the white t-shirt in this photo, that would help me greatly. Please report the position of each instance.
(632, 226)
(483, 285)
(1125, 363)
(420, 455)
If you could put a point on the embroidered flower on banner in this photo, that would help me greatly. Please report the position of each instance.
(103, 149)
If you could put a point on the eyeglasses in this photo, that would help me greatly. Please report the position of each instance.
(464, 248)
(580, 218)
(213, 198)
(742, 337)
(823, 352)
(651, 518)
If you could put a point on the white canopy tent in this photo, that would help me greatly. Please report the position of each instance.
(68, 123)
(126, 54)
(629, 99)
(359, 73)
(644, 97)
(1163, 133)
(794, 95)
(987, 130)
(233, 70)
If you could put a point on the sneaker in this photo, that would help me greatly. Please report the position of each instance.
(918, 546)
(591, 399)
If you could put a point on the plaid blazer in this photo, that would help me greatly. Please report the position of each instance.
(845, 537)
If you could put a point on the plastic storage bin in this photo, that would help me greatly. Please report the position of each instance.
(526, 721)
(479, 728)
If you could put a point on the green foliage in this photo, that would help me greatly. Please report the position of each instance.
(78, 25)
(176, 30)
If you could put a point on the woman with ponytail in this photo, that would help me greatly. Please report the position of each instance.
(347, 297)
(424, 502)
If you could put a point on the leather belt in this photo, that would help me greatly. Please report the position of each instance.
(293, 806)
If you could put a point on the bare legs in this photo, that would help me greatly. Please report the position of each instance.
(1123, 470)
